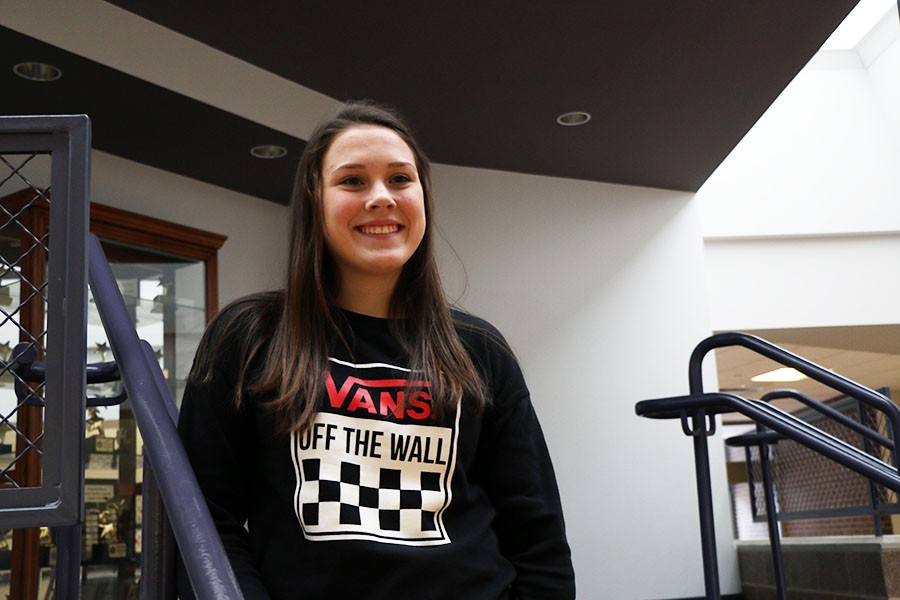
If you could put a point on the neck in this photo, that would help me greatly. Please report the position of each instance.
(367, 295)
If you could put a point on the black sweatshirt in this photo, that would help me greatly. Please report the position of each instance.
(379, 499)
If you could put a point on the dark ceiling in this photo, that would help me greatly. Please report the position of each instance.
(672, 86)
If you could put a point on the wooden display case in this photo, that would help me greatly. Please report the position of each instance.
(168, 275)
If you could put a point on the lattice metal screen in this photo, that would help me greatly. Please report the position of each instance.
(809, 486)
(43, 297)
(24, 189)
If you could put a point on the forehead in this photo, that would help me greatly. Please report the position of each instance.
(367, 143)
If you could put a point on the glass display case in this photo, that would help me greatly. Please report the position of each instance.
(167, 274)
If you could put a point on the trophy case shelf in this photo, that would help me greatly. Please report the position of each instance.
(168, 275)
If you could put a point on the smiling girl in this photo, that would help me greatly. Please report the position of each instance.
(354, 436)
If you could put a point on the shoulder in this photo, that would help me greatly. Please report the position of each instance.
(259, 304)
(477, 332)
(239, 327)
(487, 347)
(245, 315)
(495, 360)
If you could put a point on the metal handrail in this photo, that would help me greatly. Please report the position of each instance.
(847, 386)
(697, 411)
(779, 421)
(23, 364)
(207, 564)
(830, 412)
(764, 439)
(159, 550)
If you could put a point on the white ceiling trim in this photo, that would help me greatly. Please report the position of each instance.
(128, 43)
(880, 38)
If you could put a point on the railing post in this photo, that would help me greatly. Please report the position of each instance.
(873, 490)
(707, 520)
(210, 572)
(704, 487)
(159, 549)
(68, 562)
(772, 520)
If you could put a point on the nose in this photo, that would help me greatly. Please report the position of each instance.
(380, 197)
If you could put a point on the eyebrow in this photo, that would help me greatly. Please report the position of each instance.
(348, 166)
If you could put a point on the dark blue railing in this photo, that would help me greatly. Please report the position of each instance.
(831, 413)
(697, 412)
(155, 415)
(60, 293)
(764, 441)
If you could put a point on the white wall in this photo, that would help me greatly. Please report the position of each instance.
(823, 159)
(600, 290)
(883, 66)
(782, 283)
(254, 254)
(808, 201)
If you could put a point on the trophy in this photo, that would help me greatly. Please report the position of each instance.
(110, 521)
(5, 448)
(47, 546)
(96, 438)
(6, 541)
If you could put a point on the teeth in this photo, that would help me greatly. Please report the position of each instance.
(379, 229)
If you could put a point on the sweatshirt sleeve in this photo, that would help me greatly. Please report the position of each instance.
(519, 478)
(219, 441)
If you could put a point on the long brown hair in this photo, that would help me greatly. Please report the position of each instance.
(308, 316)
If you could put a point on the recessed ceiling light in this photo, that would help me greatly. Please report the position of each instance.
(37, 71)
(571, 119)
(784, 374)
(268, 151)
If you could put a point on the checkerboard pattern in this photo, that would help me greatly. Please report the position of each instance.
(397, 503)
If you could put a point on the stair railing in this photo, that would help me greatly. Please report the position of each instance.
(765, 440)
(697, 413)
(154, 411)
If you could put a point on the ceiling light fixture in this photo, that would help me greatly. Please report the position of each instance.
(268, 151)
(783, 374)
(37, 71)
(574, 118)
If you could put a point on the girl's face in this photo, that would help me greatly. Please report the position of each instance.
(373, 204)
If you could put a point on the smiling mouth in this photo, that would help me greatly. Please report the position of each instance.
(379, 229)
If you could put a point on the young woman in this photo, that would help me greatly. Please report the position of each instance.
(376, 443)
